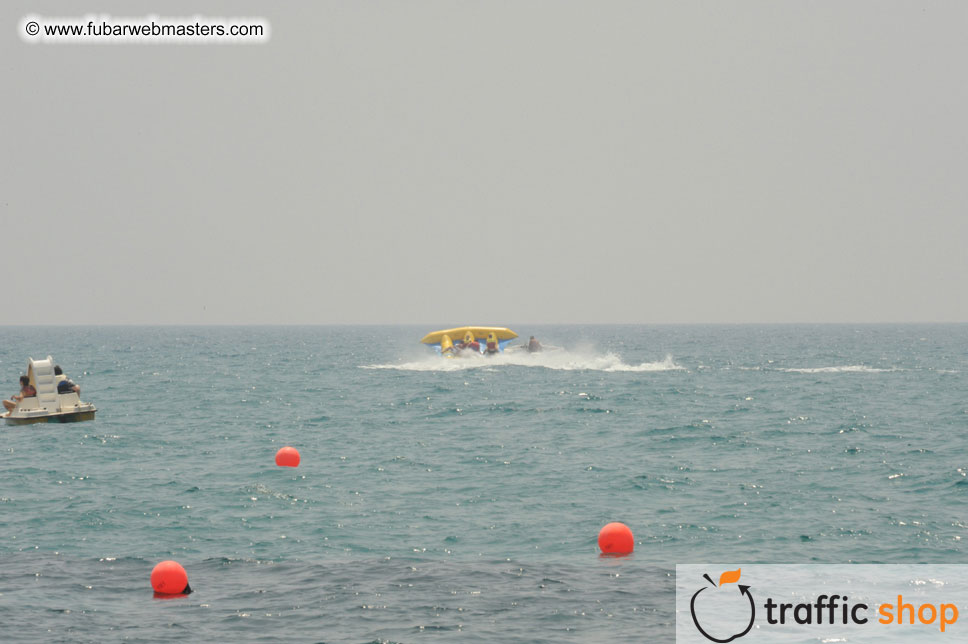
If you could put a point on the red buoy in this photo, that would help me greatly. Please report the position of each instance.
(169, 578)
(616, 539)
(287, 457)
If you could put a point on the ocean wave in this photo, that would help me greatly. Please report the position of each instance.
(561, 360)
(854, 368)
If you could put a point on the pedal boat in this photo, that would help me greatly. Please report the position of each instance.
(48, 406)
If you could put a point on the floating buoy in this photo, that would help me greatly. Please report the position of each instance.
(287, 457)
(616, 539)
(169, 578)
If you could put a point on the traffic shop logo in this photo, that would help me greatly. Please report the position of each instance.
(726, 611)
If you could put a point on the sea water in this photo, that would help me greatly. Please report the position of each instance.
(460, 500)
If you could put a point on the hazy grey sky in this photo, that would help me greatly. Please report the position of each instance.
(492, 163)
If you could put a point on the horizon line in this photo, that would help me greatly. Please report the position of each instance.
(433, 324)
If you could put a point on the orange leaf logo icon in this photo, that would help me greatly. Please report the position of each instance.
(729, 577)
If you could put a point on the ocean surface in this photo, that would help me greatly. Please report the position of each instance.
(460, 501)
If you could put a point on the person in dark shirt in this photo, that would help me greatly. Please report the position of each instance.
(64, 384)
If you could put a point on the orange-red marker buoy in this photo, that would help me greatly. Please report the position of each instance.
(287, 457)
(169, 578)
(616, 539)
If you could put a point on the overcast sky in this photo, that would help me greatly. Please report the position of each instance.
(492, 163)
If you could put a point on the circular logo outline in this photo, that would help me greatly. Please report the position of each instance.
(692, 609)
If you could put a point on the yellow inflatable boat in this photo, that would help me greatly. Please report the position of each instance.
(469, 339)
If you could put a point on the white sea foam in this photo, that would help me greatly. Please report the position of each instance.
(561, 360)
(854, 368)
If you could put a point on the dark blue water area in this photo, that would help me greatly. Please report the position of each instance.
(461, 499)
(49, 598)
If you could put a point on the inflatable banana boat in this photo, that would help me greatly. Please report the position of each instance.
(469, 340)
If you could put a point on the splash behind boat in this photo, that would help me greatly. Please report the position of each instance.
(451, 343)
(48, 406)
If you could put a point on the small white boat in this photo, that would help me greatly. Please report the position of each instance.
(48, 406)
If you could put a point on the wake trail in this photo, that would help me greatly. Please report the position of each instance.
(854, 368)
(561, 360)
